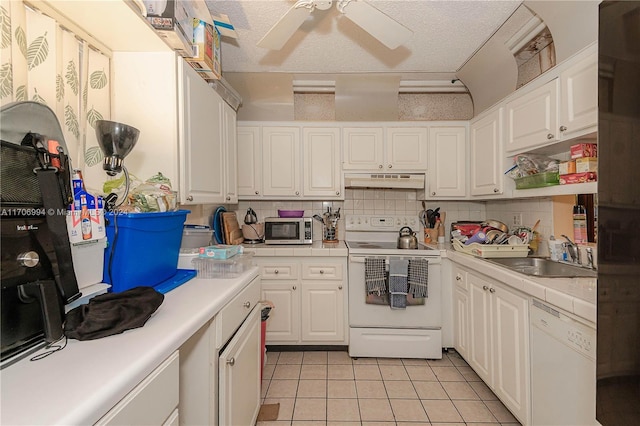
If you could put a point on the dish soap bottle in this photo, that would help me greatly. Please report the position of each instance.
(579, 224)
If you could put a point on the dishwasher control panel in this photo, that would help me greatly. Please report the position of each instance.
(565, 329)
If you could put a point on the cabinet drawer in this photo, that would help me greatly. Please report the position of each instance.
(151, 402)
(322, 271)
(279, 271)
(234, 313)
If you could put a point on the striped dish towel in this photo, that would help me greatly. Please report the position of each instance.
(418, 277)
(398, 283)
(374, 275)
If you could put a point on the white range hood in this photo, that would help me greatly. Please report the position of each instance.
(384, 180)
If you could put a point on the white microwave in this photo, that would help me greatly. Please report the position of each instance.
(288, 230)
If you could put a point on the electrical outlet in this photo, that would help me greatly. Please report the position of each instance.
(517, 219)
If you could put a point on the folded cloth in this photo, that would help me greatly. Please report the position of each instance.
(398, 283)
(398, 275)
(418, 277)
(112, 313)
(374, 275)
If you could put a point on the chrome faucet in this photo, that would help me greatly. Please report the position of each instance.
(589, 251)
(572, 250)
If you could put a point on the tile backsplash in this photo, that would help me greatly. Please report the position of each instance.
(397, 202)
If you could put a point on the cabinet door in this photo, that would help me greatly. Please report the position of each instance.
(249, 162)
(406, 149)
(239, 375)
(230, 140)
(362, 148)
(283, 324)
(486, 155)
(201, 149)
(579, 100)
(461, 322)
(322, 309)
(510, 319)
(480, 327)
(532, 119)
(447, 161)
(321, 150)
(281, 161)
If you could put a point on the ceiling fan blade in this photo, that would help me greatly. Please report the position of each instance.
(384, 28)
(286, 26)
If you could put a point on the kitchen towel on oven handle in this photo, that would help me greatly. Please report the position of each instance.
(398, 283)
(418, 277)
(375, 276)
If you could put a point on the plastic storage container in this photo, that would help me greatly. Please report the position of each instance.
(227, 268)
(144, 251)
(538, 180)
(196, 236)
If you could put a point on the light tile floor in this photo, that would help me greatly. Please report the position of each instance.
(330, 388)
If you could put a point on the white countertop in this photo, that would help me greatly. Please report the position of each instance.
(79, 384)
(318, 248)
(574, 295)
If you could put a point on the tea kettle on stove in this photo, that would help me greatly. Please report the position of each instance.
(407, 238)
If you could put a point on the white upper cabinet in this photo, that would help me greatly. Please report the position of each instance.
(363, 148)
(321, 151)
(532, 119)
(406, 149)
(447, 162)
(281, 161)
(385, 149)
(249, 162)
(184, 128)
(485, 148)
(579, 101)
(202, 174)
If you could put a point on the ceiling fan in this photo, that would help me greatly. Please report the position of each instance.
(388, 31)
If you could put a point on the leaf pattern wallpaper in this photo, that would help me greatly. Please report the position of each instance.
(43, 62)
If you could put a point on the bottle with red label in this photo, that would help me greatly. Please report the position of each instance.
(580, 224)
(85, 218)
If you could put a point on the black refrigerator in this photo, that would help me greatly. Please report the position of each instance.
(618, 343)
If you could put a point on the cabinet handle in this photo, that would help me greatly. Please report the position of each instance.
(390, 166)
(550, 136)
(231, 361)
(276, 272)
(563, 128)
(190, 198)
(380, 166)
(247, 305)
(339, 287)
(297, 192)
(228, 198)
(496, 190)
(257, 192)
(433, 193)
(485, 288)
(337, 192)
(321, 271)
(458, 278)
(294, 287)
(492, 290)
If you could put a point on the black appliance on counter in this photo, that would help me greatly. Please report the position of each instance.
(36, 271)
(618, 343)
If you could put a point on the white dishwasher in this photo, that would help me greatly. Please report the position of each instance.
(563, 368)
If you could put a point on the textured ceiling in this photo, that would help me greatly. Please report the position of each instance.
(446, 35)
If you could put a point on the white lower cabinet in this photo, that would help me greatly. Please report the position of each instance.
(220, 365)
(153, 402)
(492, 334)
(309, 294)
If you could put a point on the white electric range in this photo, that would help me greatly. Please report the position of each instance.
(376, 330)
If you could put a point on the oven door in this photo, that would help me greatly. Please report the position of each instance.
(362, 314)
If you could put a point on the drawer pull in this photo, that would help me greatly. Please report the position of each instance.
(458, 277)
(231, 361)
(190, 198)
(247, 305)
(492, 290)
(550, 136)
(294, 287)
(339, 287)
(485, 288)
(563, 128)
(276, 271)
(321, 271)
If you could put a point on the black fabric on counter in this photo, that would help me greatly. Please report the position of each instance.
(112, 313)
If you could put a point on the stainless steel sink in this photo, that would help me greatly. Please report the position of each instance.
(543, 268)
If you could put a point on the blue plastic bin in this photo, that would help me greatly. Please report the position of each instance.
(145, 250)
